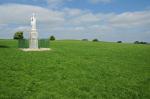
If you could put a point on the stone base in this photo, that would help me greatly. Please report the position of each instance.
(39, 49)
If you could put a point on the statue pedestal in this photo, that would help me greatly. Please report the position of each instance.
(39, 49)
(33, 42)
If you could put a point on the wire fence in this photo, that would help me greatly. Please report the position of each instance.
(42, 43)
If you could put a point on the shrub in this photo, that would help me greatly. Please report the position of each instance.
(18, 35)
(119, 41)
(84, 39)
(95, 40)
(52, 38)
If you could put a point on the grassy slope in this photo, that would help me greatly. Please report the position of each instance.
(75, 69)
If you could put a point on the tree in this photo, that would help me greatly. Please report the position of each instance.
(18, 35)
(136, 42)
(95, 40)
(143, 42)
(52, 38)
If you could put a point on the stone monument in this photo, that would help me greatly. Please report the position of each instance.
(33, 39)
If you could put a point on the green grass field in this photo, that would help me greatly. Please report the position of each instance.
(75, 70)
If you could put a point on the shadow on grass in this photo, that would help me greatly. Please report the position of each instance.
(4, 46)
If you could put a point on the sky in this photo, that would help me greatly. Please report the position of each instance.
(107, 20)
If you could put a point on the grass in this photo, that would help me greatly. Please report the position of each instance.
(75, 70)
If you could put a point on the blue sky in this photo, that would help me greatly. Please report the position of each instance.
(117, 6)
(114, 6)
(107, 20)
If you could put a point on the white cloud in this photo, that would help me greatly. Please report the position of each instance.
(75, 23)
(55, 3)
(131, 19)
(20, 14)
(59, 3)
(73, 12)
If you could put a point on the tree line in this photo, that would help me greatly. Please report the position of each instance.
(19, 35)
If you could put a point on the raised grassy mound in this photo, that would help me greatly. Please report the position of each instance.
(75, 70)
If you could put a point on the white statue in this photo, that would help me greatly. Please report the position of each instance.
(33, 37)
(33, 22)
(33, 34)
